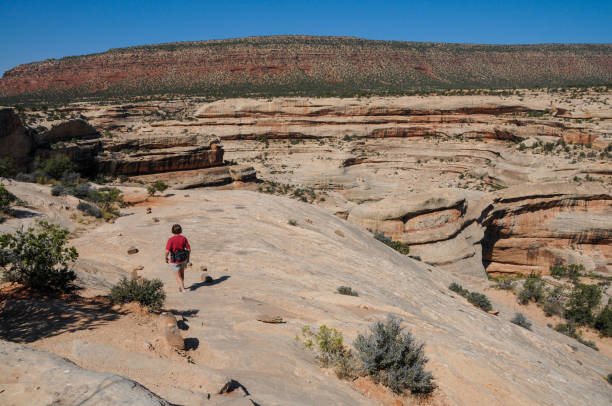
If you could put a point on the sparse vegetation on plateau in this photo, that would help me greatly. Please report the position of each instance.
(38, 258)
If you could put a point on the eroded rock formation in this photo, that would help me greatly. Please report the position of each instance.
(519, 230)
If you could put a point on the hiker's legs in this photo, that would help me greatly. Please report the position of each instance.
(180, 277)
(182, 272)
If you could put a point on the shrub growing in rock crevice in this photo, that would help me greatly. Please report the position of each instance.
(520, 320)
(396, 245)
(347, 290)
(477, 299)
(393, 357)
(149, 293)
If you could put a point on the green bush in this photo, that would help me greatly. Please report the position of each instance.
(7, 167)
(38, 258)
(329, 345)
(6, 200)
(505, 284)
(58, 190)
(609, 378)
(54, 167)
(581, 302)
(90, 209)
(149, 293)
(347, 290)
(533, 289)
(569, 329)
(392, 357)
(554, 302)
(603, 322)
(480, 300)
(158, 186)
(455, 287)
(396, 245)
(520, 320)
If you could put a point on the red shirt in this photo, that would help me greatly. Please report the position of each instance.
(177, 243)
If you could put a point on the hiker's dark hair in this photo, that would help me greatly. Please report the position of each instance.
(177, 229)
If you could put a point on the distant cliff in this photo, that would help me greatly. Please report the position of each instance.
(307, 66)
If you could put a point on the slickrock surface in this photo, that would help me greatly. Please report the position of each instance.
(34, 377)
(260, 264)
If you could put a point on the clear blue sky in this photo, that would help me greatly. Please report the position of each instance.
(36, 30)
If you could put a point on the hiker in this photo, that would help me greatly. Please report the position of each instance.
(177, 255)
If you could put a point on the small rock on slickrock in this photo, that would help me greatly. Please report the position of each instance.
(339, 233)
(174, 338)
(166, 320)
(204, 268)
(206, 278)
(132, 250)
(149, 210)
(155, 219)
(265, 318)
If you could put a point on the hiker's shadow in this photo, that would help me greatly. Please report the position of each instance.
(209, 282)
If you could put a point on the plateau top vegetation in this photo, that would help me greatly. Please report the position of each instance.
(305, 66)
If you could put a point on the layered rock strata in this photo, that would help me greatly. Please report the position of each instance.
(519, 230)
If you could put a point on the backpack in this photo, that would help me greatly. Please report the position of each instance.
(179, 256)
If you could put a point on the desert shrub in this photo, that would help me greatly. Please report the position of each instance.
(505, 284)
(58, 190)
(347, 290)
(581, 302)
(554, 302)
(158, 186)
(568, 329)
(82, 190)
(392, 357)
(149, 293)
(331, 352)
(480, 300)
(455, 287)
(396, 245)
(520, 320)
(54, 167)
(603, 322)
(106, 197)
(38, 258)
(292, 222)
(572, 271)
(7, 167)
(26, 177)
(6, 200)
(533, 289)
(609, 378)
(588, 343)
(90, 209)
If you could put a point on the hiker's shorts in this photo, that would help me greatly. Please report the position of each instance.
(177, 267)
